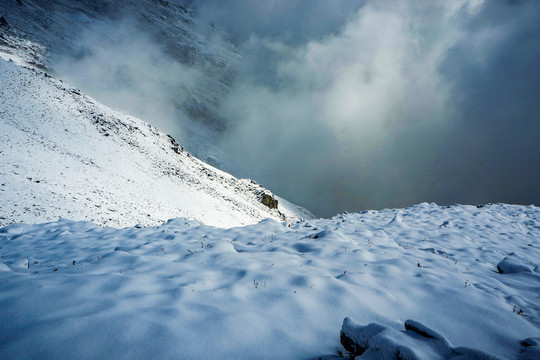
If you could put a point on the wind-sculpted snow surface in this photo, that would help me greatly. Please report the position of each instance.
(275, 290)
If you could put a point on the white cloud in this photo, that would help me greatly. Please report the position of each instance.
(339, 104)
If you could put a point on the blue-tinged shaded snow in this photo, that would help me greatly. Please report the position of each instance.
(272, 290)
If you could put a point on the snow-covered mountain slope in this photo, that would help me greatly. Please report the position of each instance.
(275, 290)
(62, 154)
(66, 29)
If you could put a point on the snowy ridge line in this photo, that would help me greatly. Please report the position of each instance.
(59, 30)
(65, 155)
(277, 290)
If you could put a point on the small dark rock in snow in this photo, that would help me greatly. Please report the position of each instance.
(510, 265)
(175, 146)
(531, 342)
(530, 350)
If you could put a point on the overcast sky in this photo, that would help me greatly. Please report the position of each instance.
(350, 105)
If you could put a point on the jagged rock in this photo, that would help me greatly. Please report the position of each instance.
(269, 200)
(177, 148)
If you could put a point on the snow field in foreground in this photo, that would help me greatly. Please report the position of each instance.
(270, 290)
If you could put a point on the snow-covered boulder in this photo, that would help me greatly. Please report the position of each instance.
(511, 265)
(530, 349)
(417, 342)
